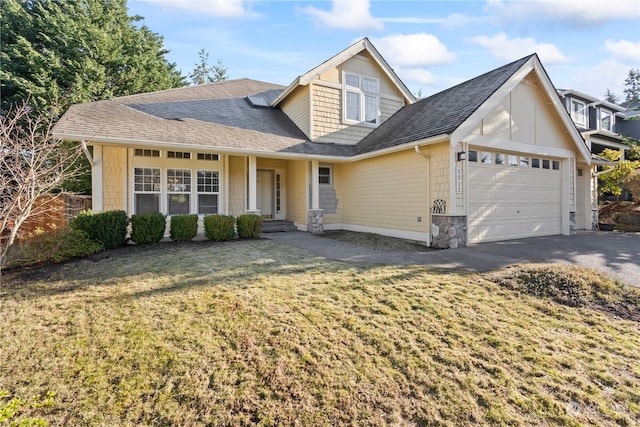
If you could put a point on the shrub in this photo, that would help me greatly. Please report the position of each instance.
(183, 227)
(147, 228)
(108, 228)
(219, 227)
(633, 184)
(249, 226)
(53, 246)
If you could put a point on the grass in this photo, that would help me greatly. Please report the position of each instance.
(257, 333)
(374, 241)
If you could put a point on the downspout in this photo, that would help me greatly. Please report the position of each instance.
(429, 223)
(87, 153)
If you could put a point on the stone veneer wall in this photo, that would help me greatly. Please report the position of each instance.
(315, 223)
(449, 232)
(594, 219)
(572, 223)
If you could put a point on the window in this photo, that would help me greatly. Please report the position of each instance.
(535, 163)
(580, 172)
(208, 190)
(324, 175)
(606, 120)
(146, 190)
(178, 155)
(473, 156)
(512, 160)
(208, 156)
(146, 153)
(486, 157)
(578, 112)
(545, 164)
(178, 191)
(556, 165)
(524, 162)
(361, 99)
(499, 159)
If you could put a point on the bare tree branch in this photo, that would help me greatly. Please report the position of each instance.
(32, 164)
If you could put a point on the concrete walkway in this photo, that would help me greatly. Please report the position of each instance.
(617, 254)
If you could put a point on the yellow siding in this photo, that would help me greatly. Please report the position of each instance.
(526, 116)
(113, 169)
(296, 106)
(237, 188)
(385, 192)
(440, 172)
(296, 191)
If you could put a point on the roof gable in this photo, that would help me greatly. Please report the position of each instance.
(359, 46)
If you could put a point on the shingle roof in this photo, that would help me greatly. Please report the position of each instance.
(438, 114)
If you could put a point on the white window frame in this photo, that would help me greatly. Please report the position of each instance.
(574, 113)
(208, 193)
(136, 191)
(362, 98)
(610, 114)
(188, 192)
(330, 184)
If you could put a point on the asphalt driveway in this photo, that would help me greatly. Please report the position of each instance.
(617, 254)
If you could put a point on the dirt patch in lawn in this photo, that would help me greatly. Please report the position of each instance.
(375, 241)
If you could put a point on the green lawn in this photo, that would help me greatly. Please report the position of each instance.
(254, 332)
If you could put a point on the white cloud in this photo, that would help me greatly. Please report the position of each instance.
(511, 49)
(595, 80)
(413, 49)
(624, 50)
(219, 8)
(576, 12)
(417, 75)
(454, 20)
(349, 15)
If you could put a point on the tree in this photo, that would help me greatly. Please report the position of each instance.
(202, 73)
(613, 180)
(611, 97)
(59, 52)
(32, 164)
(632, 86)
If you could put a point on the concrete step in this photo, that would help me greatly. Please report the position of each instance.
(278, 226)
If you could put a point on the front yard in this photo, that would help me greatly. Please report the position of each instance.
(254, 332)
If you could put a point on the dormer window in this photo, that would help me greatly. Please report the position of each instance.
(606, 120)
(361, 99)
(579, 112)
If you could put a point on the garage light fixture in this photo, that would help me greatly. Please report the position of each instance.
(462, 155)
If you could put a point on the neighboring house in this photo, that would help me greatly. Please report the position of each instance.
(346, 146)
(603, 126)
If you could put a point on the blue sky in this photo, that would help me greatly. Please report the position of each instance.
(585, 45)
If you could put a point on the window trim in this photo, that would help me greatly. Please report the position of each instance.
(330, 167)
(611, 123)
(574, 113)
(362, 96)
(136, 192)
(169, 193)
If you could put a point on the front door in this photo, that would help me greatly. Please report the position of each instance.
(264, 194)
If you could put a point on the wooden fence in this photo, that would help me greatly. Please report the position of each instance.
(54, 211)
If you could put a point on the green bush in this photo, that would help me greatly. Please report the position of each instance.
(147, 228)
(183, 227)
(53, 246)
(249, 226)
(108, 228)
(219, 227)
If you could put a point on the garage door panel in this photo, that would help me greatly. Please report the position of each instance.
(513, 202)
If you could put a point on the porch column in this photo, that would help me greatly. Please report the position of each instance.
(253, 204)
(315, 215)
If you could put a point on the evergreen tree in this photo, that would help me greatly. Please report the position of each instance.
(632, 86)
(202, 73)
(611, 97)
(60, 52)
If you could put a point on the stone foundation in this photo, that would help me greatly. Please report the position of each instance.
(252, 212)
(572, 223)
(594, 219)
(448, 232)
(315, 224)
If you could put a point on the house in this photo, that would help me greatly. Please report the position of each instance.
(347, 146)
(603, 126)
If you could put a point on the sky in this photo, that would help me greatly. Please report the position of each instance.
(585, 45)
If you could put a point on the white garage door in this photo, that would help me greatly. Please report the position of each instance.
(513, 197)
